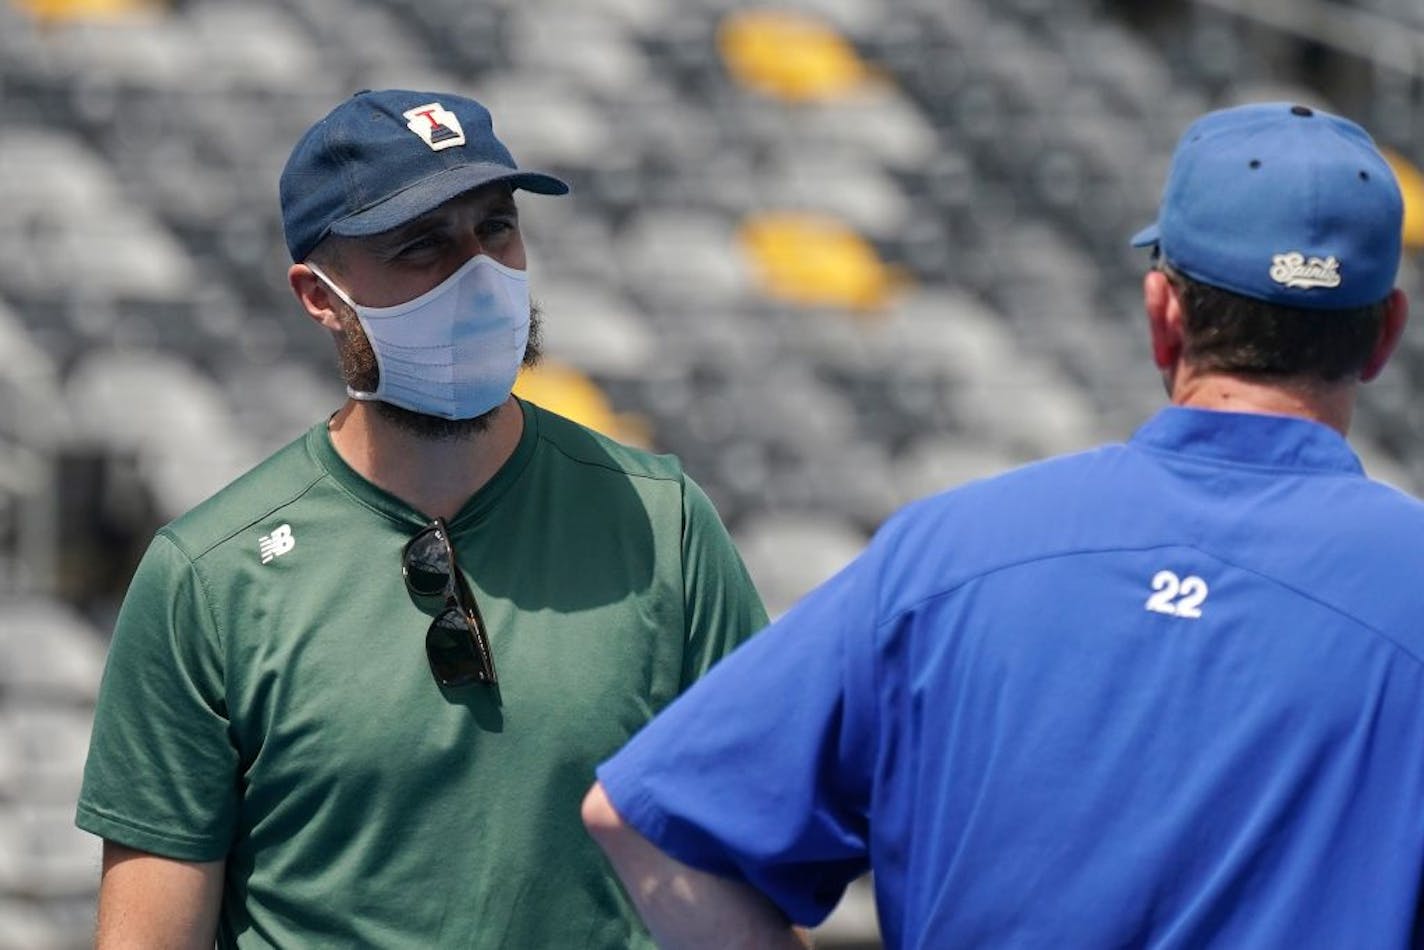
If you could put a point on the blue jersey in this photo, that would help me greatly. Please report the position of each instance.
(1168, 694)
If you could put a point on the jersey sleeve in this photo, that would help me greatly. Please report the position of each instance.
(161, 775)
(762, 771)
(721, 608)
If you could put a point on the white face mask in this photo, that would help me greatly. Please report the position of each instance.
(455, 350)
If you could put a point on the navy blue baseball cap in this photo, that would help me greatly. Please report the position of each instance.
(1282, 203)
(383, 158)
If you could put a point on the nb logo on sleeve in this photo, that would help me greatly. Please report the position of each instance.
(1177, 596)
(274, 545)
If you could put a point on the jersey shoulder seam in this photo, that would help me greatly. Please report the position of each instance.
(194, 556)
(1207, 461)
(653, 476)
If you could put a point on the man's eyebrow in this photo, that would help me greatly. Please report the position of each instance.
(503, 205)
(435, 219)
(398, 235)
(401, 233)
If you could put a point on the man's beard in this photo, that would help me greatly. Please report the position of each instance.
(362, 373)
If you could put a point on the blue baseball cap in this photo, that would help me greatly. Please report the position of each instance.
(1282, 203)
(383, 158)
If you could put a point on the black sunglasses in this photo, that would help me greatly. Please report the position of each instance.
(456, 644)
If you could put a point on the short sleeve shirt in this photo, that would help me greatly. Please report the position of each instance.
(1164, 694)
(268, 700)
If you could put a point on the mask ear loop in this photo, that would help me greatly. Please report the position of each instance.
(345, 298)
(330, 284)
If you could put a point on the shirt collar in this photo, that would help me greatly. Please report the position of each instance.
(319, 444)
(1248, 439)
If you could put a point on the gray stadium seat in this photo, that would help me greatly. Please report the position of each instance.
(938, 463)
(51, 741)
(683, 256)
(42, 854)
(595, 329)
(48, 651)
(162, 408)
(788, 554)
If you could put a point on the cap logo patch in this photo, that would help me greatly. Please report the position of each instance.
(1295, 270)
(436, 125)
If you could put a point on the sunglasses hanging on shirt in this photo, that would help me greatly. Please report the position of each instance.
(457, 644)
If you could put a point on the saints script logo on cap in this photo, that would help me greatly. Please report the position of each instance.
(439, 127)
(1294, 270)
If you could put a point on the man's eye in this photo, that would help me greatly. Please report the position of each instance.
(421, 245)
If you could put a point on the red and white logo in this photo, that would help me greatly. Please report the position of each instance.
(438, 126)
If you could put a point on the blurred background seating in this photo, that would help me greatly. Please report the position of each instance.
(835, 254)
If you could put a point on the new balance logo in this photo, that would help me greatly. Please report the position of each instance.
(1294, 270)
(439, 127)
(276, 544)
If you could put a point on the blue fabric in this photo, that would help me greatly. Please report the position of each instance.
(984, 707)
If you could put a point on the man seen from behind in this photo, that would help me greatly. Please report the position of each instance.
(1159, 694)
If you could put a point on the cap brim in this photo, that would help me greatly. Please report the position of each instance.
(430, 193)
(1147, 236)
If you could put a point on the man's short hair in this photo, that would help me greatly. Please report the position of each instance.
(1225, 332)
(328, 255)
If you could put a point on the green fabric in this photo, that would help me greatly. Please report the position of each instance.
(283, 714)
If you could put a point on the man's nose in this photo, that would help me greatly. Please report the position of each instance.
(470, 244)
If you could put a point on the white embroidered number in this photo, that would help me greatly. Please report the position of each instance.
(1180, 597)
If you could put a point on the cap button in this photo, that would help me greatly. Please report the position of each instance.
(1301, 110)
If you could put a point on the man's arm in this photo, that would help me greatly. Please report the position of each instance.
(686, 909)
(155, 903)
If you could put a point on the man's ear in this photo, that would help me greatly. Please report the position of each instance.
(1164, 319)
(315, 296)
(1396, 315)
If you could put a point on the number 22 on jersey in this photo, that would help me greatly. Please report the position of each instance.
(1177, 596)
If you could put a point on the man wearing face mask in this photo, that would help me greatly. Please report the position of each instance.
(355, 697)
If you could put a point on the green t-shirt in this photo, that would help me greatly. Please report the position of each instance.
(267, 697)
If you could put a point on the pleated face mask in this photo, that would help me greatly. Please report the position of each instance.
(455, 350)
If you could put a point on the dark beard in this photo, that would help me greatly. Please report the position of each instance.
(359, 369)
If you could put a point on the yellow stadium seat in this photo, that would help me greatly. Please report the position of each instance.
(1411, 184)
(790, 56)
(815, 260)
(71, 10)
(560, 388)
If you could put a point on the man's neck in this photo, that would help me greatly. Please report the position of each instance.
(436, 477)
(1326, 403)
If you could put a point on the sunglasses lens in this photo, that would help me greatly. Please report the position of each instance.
(450, 647)
(427, 564)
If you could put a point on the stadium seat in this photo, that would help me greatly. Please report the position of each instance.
(163, 409)
(51, 741)
(788, 554)
(47, 652)
(61, 11)
(938, 463)
(673, 256)
(560, 388)
(80, 229)
(42, 854)
(549, 120)
(815, 259)
(789, 55)
(595, 52)
(854, 188)
(595, 328)
(1411, 183)
(59, 923)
